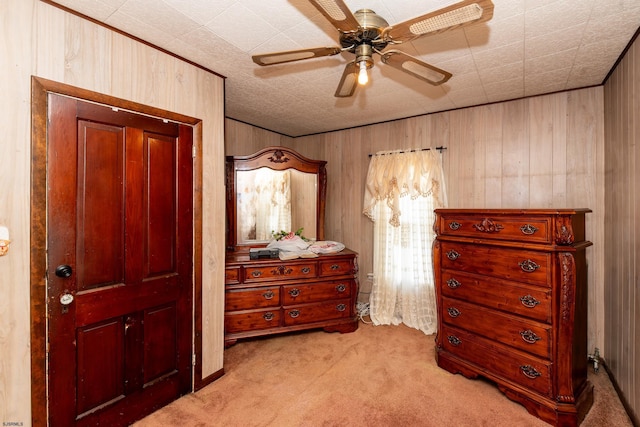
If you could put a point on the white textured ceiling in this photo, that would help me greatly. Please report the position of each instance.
(530, 47)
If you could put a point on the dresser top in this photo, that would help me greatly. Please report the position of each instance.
(563, 211)
(243, 257)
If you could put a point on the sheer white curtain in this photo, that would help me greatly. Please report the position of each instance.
(273, 202)
(402, 190)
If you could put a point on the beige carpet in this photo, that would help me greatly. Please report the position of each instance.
(376, 376)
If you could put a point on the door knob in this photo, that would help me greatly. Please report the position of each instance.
(64, 271)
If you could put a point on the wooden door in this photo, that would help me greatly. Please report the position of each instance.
(119, 266)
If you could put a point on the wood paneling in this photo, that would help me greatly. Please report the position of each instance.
(542, 152)
(44, 41)
(622, 225)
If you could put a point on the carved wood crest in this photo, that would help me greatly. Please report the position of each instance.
(488, 226)
(278, 157)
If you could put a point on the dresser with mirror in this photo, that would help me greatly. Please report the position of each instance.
(273, 190)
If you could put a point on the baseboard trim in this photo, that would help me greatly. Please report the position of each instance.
(199, 385)
(627, 407)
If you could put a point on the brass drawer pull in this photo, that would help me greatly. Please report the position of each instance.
(454, 225)
(268, 295)
(256, 273)
(454, 340)
(294, 292)
(528, 266)
(453, 255)
(529, 301)
(341, 307)
(294, 313)
(453, 312)
(341, 287)
(453, 283)
(335, 267)
(305, 270)
(529, 371)
(268, 316)
(529, 336)
(281, 270)
(528, 229)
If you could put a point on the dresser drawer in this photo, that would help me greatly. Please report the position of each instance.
(303, 293)
(251, 320)
(504, 263)
(281, 271)
(514, 366)
(232, 275)
(515, 228)
(530, 301)
(309, 313)
(339, 267)
(245, 299)
(532, 337)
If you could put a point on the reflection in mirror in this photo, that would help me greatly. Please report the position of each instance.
(270, 200)
(272, 190)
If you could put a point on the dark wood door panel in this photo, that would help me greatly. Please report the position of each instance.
(120, 215)
(159, 199)
(100, 239)
(160, 342)
(100, 364)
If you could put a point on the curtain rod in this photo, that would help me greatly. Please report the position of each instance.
(411, 151)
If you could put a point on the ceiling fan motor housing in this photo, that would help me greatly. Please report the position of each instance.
(368, 34)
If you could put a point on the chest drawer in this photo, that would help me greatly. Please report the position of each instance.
(281, 271)
(529, 301)
(252, 320)
(317, 312)
(232, 275)
(533, 230)
(505, 263)
(516, 367)
(532, 337)
(337, 267)
(245, 299)
(304, 293)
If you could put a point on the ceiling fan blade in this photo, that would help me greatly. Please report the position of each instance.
(294, 55)
(338, 14)
(348, 82)
(415, 67)
(455, 16)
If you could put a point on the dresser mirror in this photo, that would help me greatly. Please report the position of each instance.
(272, 190)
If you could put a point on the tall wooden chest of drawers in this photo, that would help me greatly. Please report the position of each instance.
(270, 296)
(512, 305)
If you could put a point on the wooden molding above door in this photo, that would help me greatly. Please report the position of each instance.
(40, 88)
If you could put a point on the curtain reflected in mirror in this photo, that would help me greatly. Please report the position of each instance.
(270, 200)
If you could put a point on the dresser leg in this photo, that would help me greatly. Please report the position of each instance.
(343, 328)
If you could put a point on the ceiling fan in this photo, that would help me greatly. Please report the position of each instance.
(364, 33)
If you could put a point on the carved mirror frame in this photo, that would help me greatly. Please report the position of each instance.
(280, 159)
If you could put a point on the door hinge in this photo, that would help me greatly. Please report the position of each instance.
(193, 359)
(193, 151)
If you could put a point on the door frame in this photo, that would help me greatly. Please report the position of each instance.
(40, 89)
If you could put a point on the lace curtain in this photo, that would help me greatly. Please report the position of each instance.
(402, 191)
(264, 203)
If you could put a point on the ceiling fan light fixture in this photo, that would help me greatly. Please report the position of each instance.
(363, 78)
(448, 19)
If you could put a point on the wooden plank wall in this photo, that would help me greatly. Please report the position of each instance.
(540, 152)
(38, 39)
(622, 227)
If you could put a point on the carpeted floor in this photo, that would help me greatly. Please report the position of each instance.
(376, 376)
